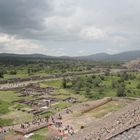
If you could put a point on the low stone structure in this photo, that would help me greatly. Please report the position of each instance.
(85, 107)
(22, 82)
(29, 127)
(35, 90)
(70, 100)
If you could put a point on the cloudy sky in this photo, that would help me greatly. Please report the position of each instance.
(69, 27)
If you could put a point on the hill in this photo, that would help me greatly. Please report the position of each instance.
(124, 56)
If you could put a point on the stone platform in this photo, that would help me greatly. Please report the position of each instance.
(113, 125)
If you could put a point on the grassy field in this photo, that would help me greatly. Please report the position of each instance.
(103, 110)
(107, 108)
(18, 117)
(8, 96)
(8, 113)
(53, 83)
(39, 134)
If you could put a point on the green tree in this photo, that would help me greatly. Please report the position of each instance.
(1, 74)
(101, 91)
(97, 82)
(121, 91)
(64, 83)
(138, 86)
(114, 84)
(88, 93)
(29, 71)
(13, 72)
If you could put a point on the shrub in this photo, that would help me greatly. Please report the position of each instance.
(5, 122)
(138, 86)
(13, 72)
(4, 107)
(121, 91)
(1, 74)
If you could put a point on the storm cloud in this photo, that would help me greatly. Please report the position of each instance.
(69, 27)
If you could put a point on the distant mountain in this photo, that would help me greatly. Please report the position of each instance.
(98, 56)
(24, 55)
(124, 56)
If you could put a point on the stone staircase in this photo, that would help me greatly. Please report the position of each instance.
(113, 125)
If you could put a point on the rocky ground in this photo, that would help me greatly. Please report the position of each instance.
(131, 134)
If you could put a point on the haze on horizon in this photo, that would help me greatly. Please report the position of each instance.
(69, 27)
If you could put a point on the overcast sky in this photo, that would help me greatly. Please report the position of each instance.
(69, 27)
